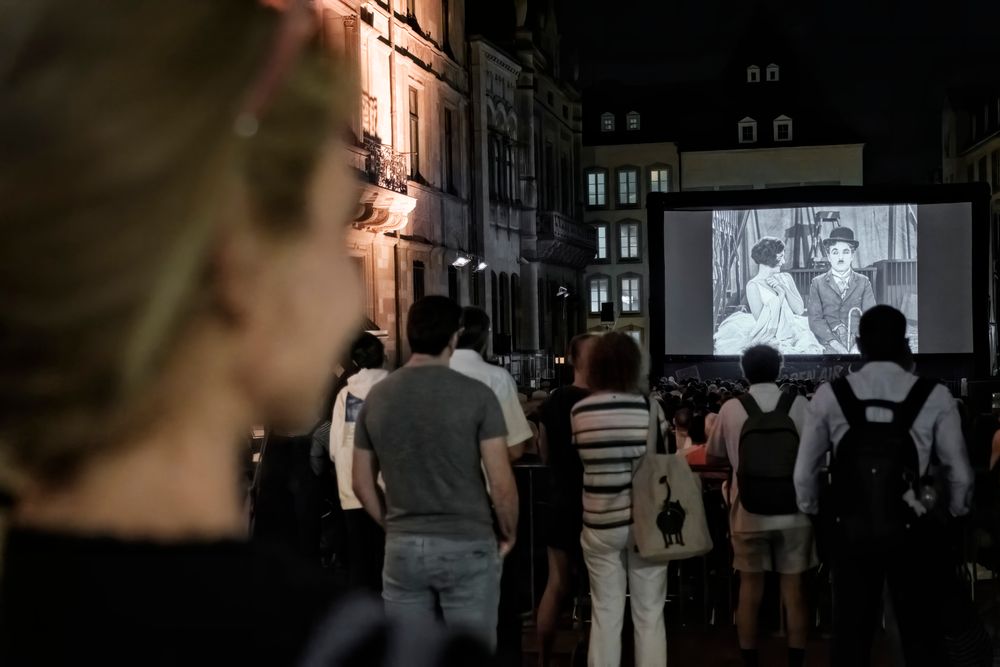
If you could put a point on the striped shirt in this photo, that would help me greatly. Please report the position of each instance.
(609, 432)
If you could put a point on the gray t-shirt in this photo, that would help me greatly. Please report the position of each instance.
(425, 424)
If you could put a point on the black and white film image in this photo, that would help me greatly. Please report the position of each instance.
(799, 279)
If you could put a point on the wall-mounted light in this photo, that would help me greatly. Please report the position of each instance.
(562, 292)
(481, 266)
(560, 361)
(461, 261)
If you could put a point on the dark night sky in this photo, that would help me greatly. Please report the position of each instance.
(884, 65)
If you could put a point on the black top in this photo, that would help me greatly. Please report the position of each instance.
(564, 462)
(97, 601)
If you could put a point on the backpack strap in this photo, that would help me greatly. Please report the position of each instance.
(853, 409)
(909, 409)
(750, 405)
(785, 402)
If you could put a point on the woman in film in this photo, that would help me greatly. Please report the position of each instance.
(777, 312)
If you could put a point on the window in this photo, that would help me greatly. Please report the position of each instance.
(597, 182)
(418, 281)
(628, 288)
(636, 335)
(748, 131)
(782, 128)
(628, 186)
(599, 288)
(449, 147)
(551, 177)
(995, 167)
(753, 74)
(491, 159)
(628, 239)
(601, 232)
(632, 120)
(414, 133)
(773, 73)
(659, 179)
(607, 122)
(508, 169)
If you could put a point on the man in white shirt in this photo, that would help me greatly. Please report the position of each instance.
(764, 543)
(914, 567)
(468, 360)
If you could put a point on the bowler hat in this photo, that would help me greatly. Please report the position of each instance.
(841, 235)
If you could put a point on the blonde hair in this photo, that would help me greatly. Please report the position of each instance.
(118, 156)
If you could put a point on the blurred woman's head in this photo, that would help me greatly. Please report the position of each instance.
(614, 363)
(159, 255)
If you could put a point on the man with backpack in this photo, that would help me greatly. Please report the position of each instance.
(884, 428)
(758, 435)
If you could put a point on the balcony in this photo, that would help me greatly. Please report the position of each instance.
(563, 240)
(385, 167)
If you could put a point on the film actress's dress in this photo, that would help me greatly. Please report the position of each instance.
(775, 325)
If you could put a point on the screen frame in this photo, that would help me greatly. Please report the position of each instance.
(975, 364)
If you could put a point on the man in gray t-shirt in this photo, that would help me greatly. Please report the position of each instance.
(432, 432)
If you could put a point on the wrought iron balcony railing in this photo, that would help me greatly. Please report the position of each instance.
(385, 166)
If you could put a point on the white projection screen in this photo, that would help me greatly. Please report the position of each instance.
(740, 269)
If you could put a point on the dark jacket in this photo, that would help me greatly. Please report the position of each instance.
(828, 313)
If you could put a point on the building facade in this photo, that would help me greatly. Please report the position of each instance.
(409, 147)
(527, 230)
(970, 140)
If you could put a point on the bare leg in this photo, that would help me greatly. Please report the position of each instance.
(751, 592)
(796, 612)
(557, 588)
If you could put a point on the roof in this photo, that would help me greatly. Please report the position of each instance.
(705, 115)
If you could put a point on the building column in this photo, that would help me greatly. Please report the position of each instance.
(528, 334)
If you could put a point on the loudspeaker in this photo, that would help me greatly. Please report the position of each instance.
(608, 311)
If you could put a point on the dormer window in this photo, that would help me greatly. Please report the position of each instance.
(632, 120)
(607, 122)
(753, 74)
(773, 72)
(782, 128)
(748, 131)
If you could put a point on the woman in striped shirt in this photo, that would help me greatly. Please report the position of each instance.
(610, 429)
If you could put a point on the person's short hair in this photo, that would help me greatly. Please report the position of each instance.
(761, 363)
(682, 418)
(431, 323)
(766, 251)
(475, 329)
(614, 363)
(574, 347)
(367, 351)
(882, 334)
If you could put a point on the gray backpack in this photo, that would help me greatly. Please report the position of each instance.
(769, 444)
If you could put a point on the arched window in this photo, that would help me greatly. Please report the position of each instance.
(515, 307)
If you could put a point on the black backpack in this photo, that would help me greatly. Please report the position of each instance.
(874, 465)
(769, 443)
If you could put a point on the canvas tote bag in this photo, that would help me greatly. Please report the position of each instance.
(668, 513)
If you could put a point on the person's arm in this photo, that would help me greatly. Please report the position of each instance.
(518, 431)
(543, 443)
(949, 444)
(792, 294)
(995, 450)
(364, 471)
(337, 426)
(868, 298)
(365, 482)
(813, 447)
(818, 324)
(503, 490)
(715, 451)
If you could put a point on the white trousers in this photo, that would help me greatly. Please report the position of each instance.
(614, 567)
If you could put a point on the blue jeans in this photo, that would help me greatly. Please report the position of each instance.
(462, 576)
